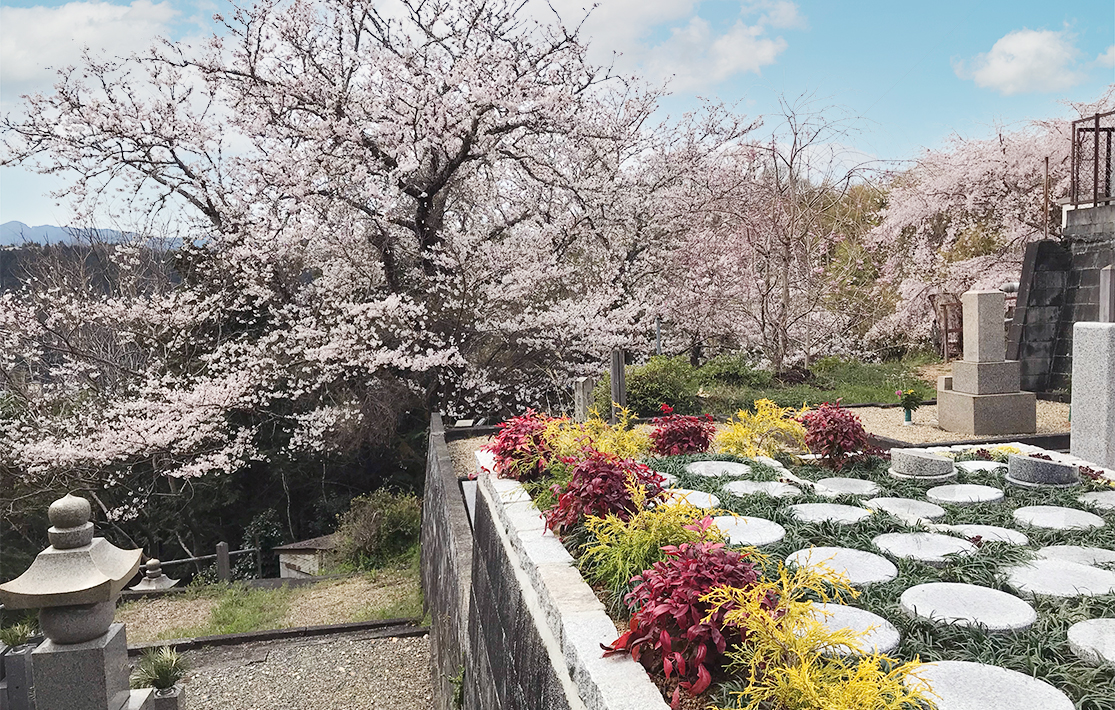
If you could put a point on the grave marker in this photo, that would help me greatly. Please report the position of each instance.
(582, 398)
(1093, 394)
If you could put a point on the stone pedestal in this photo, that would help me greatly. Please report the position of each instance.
(982, 398)
(82, 676)
(1093, 393)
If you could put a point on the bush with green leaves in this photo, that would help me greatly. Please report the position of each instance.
(662, 380)
(733, 371)
(379, 528)
(17, 634)
(159, 668)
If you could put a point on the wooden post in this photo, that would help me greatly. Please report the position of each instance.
(259, 559)
(224, 572)
(619, 384)
(582, 398)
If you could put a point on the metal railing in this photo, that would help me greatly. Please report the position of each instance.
(1091, 160)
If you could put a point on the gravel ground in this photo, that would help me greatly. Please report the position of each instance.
(147, 618)
(1053, 418)
(463, 453)
(343, 672)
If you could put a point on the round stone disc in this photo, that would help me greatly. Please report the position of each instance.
(972, 466)
(1076, 553)
(768, 461)
(907, 508)
(697, 498)
(964, 685)
(774, 489)
(964, 494)
(713, 469)
(825, 512)
(746, 530)
(833, 487)
(670, 479)
(1093, 641)
(968, 605)
(930, 548)
(987, 533)
(1104, 500)
(1058, 578)
(1057, 518)
(879, 635)
(923, 479)
(859, 567)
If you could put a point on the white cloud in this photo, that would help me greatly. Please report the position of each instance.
(36, 41)
(1025, 61)
(1107, 59)
(696, 57)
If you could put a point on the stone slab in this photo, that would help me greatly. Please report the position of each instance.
(964, 494)
(987, 533)
(968, 605)
(747, 530)
(1093, 396)
(1037, 473)
(82, 676)
(714, 469)
(927, 480)
(859, 567)
(919, 463)
(836, 487)
(1093, 641)
(973, 466)
(1054, 517)
(768, 461)
(774, 489)
(987, 414)
(1104, 500)
(1095, 556)
(829, 512)
(879, 635)
(926, 547)
(686, 495)
(964, 685)
(1059, 578)
(984, 336)
(986, 377)
(907, 509)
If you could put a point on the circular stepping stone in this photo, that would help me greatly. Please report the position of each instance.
(964, 494)
(1059, 578)
(907, 509)
(964, 685)
(987, 533)
(1055, 517)
(859, 567)
(1076, 553)
(768, 461)
(745, 530)
(878, 634)
(697, 498)
(1104, 500)
(714, 469)
(973, 466)
(1093, 641)
(834, 487)
(930, 548)
(826, 512)
(774, 489)
(968, 605)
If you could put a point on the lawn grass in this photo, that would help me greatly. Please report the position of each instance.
(239, 609)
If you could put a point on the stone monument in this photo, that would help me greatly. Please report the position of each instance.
(1093, 383)
(984, 398)
(74, 583)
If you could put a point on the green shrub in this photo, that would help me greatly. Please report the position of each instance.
(379, 528)
(733, 371)
(663, 380)
(16, 634)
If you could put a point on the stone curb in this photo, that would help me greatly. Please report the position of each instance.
(385, 629)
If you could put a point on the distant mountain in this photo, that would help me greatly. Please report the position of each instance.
(18, 234)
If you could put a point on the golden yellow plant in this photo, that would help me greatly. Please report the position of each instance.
(766, 432)
(792, 660)
(624, 439)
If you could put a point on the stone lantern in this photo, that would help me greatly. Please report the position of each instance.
(153, 578)
(74, 583)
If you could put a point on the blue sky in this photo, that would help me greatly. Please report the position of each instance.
(914, 73)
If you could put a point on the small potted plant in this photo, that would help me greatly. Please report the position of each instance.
(161, 668)
(910, 400)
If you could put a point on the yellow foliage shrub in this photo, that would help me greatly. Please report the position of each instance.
(570, 438)
(790, 658)
(766, 432)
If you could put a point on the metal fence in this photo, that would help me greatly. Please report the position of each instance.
(1091, 159)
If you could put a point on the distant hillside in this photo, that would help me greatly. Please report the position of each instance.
(18, 233)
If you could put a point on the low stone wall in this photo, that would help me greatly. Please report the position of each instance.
(534, 627)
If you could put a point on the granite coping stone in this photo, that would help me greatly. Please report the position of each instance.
(715, 469)
(1060, 578)
(968, 605)
(747, 530)
(1054, 517)
(907, 509)
(774, 489)
(965, 685)
(859, 567)
(879, 635)
(839, 486)
(927, 547)
(919, 463)
(829, 512)
(1032, 472)
(1093, 641)
(1094, 556)
(964, 494)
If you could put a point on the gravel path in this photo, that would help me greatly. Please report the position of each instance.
(341, 672)
(1053, 418)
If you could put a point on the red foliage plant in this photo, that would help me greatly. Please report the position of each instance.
(835, 433)
(520, 448)
(676, 434)
(600, 485)
(668, 625)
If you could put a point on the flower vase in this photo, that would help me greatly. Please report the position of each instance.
(909, 417)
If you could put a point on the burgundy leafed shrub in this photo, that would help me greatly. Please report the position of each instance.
(667, 627)
(520, 447)
(676, 434)
(599, 486)
(834, 433)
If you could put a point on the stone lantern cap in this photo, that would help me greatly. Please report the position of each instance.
(76, 569)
